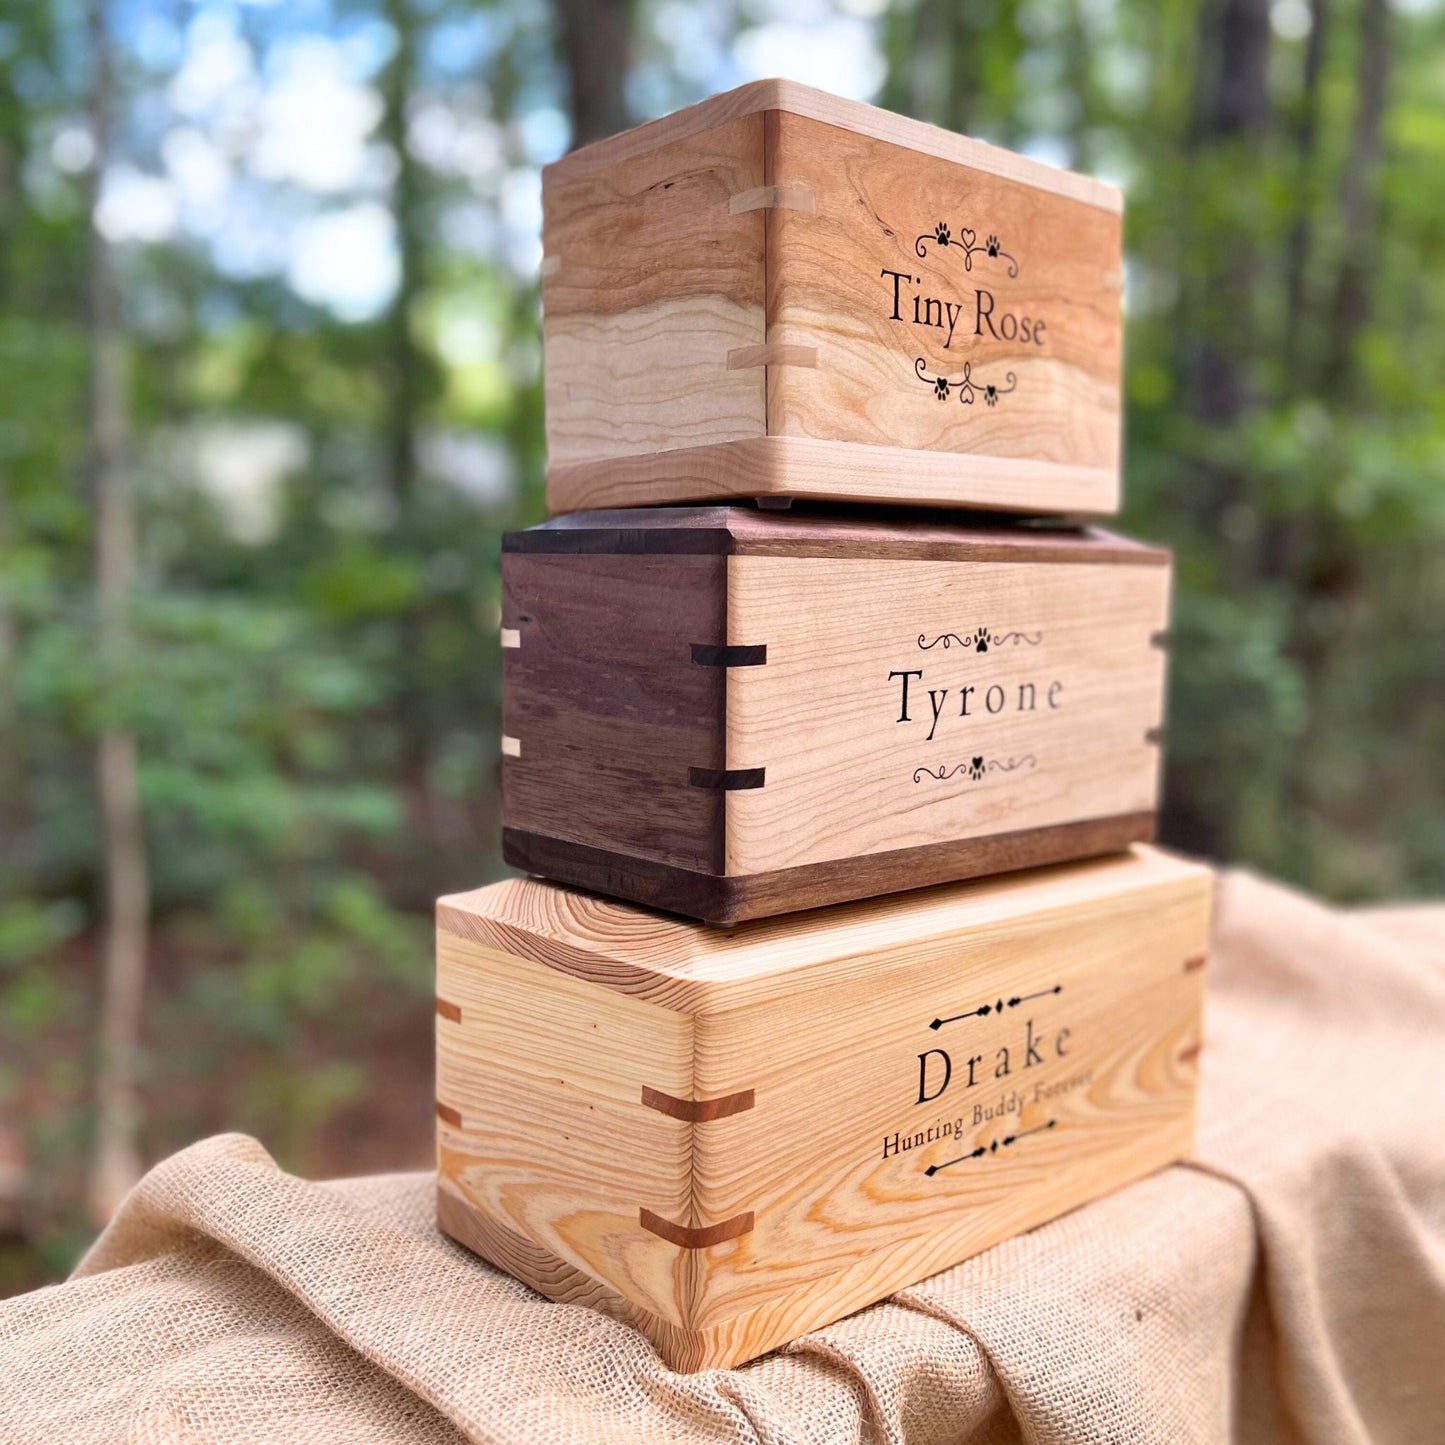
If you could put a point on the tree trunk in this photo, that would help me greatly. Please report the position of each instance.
(115, 1164)
(1306, 134)
(1231, 104)
(1359, 198)
(595, 37)
(404, 363)
(1232, 74)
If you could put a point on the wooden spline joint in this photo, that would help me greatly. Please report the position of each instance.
(773, 198)
(727, 780)
(448, 1115)
(706, 654)
(741, 358)
(1189, 1054)
(1162, 640)
(511, 747)
(511, 637)
(690, 1237)
(698, 1111)
(448, 1010)
(1192, 965)
(1154, 737)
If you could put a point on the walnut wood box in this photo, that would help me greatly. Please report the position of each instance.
(779, 293)
(730, 713)
(730, 1138)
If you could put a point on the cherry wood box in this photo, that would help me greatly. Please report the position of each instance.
(780, 293)
(729, 713)
(730, 1138)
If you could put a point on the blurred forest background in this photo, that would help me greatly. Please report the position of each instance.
(270, 390)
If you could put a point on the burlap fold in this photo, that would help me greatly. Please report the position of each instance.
(1289, 1284)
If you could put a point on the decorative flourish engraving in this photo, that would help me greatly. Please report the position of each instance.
(993, 1148)
(980, 639)
(996, 1007)
(975, 768)
(967, 242)
(966, 387)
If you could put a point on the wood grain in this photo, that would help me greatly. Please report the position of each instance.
(834, 285)
(1067, 660)
(724, 900)
(1061, 998)
(826, 470)
(825, 532)
(655, 280)
(803, 100)
(609, 710)
(735, 310)
(717, 694)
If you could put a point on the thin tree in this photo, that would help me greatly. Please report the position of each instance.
(1359, 195)
(115, 1163)
(595, 40)
(1301, 239)
(404, 361)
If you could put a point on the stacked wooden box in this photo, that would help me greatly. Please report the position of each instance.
(772, 659)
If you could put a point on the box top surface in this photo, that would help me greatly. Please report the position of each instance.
(854, 115)
(743, 531)
(689, 966)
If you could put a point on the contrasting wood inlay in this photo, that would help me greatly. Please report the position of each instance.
(691, 1237)
(699, 1111)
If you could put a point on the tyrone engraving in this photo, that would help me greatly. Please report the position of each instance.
(971, 701)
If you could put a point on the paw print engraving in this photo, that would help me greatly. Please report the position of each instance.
(941, 234)
(940, 388)
(980, 640)
(991, 245)
(975, 769)
(990, 395)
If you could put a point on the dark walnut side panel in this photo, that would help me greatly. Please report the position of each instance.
(722, 900)
(608, 710)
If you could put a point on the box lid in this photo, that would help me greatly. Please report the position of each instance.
(805, 532)
(690, 967)
(854, 115)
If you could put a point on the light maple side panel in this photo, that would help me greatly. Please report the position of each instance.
(1086, 1082)
(946, 310)
(649, 281)
(730, 1138)
(540, 1119)
(1034, 696)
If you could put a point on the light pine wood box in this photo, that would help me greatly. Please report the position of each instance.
(730, 1138)
(730, 713)
(778, 293)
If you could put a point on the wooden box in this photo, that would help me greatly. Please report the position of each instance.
(777, 293)
(730, 713)
(730, 1138)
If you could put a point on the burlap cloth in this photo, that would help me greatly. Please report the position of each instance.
(1289, 1284)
